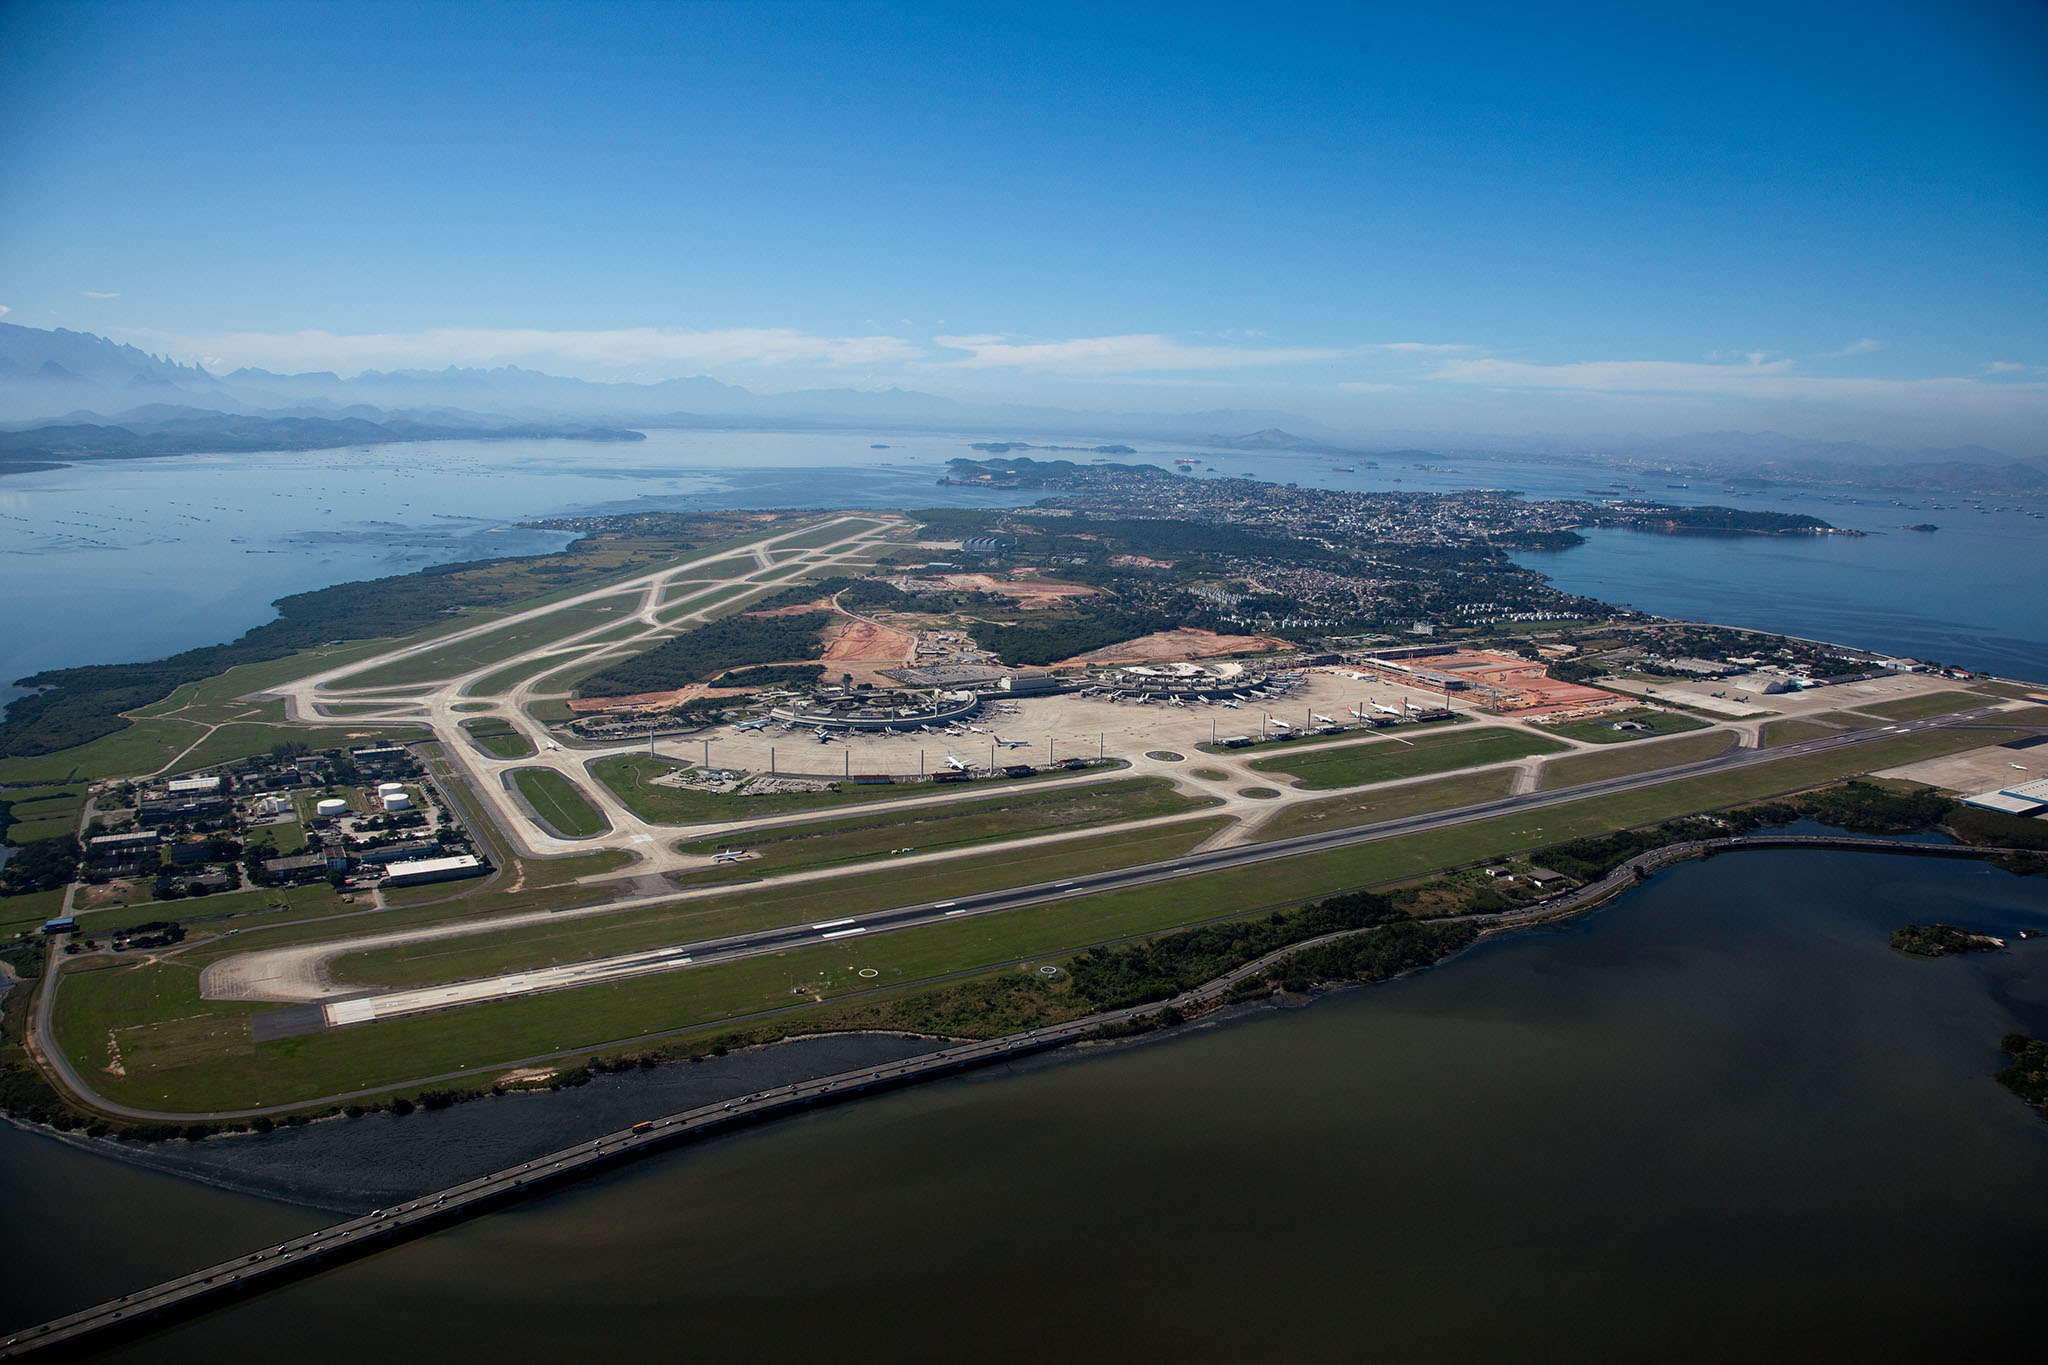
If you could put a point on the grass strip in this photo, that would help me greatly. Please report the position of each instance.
(554, 799)
(1388, 760)
(1581, 768)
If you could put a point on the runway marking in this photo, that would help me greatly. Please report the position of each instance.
(842, 933)
(833, 923)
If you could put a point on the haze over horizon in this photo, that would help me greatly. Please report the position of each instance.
(1825, 223)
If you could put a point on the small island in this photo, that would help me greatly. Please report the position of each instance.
(1941, 940)
(1922, 526)
(2026, 1071)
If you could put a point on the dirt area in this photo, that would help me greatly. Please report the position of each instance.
(1028, 590)
(1520, 685)
(1175, 644)
(656, 700)
(795, 609)
(863, 647)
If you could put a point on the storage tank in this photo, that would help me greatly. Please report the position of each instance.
(390, 788)
(330, 808)
(397, 801)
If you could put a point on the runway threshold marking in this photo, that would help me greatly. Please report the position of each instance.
(842, 933)
(832, 923)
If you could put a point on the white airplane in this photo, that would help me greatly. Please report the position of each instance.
(728, 855)
(1324, 720)
(1231, 703)
(1386, 710)
(1176, 701)
(955, 764)
(760, 724)
(824, 736)
(976, 729)
(1012, 743)
(1277, 723)
(551, 744)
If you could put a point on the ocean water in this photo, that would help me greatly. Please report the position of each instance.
(1716, 1120)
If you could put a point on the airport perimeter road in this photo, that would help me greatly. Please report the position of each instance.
(704, 952)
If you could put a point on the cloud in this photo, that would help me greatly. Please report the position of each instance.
(2012, 367)
(4, 310)
(1435, 346)
(1862, 346)
(97, 294)
(636, 349)
(1133, 353)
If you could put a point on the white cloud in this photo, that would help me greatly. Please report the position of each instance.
(97, 294)
(1436, 346)
(635, 349)
(1134, 353)
(4, 310)
(1862, 346)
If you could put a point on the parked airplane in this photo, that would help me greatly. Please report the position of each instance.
(824, 736)
(1324, 720)
(976, 729)
(761, 724)
(955, 764)
(551, 744)
(1176, 701)
(1277, 723)
(1012, 743)
(1231, 703)
(1386, 710)
(728, 855)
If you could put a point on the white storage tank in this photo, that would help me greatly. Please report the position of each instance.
(390, 788)
(330, 808)
(397, 801)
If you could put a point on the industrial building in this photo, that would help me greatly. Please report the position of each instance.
(420, 871)
(2021, 798)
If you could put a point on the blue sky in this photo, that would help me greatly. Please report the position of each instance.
(1544, 218)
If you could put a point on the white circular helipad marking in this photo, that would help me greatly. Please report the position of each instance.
(869, 971)
(1048, 971)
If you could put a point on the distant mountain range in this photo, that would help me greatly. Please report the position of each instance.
(72, 395)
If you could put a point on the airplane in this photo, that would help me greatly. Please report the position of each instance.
(760, 724)
(1012, 743)
(955, 764)
(824, 736)
(1416, 706)
(1277, 723)
(551, 744)
(1231, 703)
(1386, 710)
(976, 729)
(1176, 701)
(1324, 720)
(2020, 766)
(728, 855)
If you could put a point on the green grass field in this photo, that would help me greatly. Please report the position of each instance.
(636, 930)
(467, 656)
(1390, 759)
(1578, 768)
(556, 801)
(1777, 733)
(1914, 708)
(1602, 731)
(1388, 803)
(1023, 811)
(495, 736)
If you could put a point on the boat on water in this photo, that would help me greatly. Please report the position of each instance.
(1342, 469)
